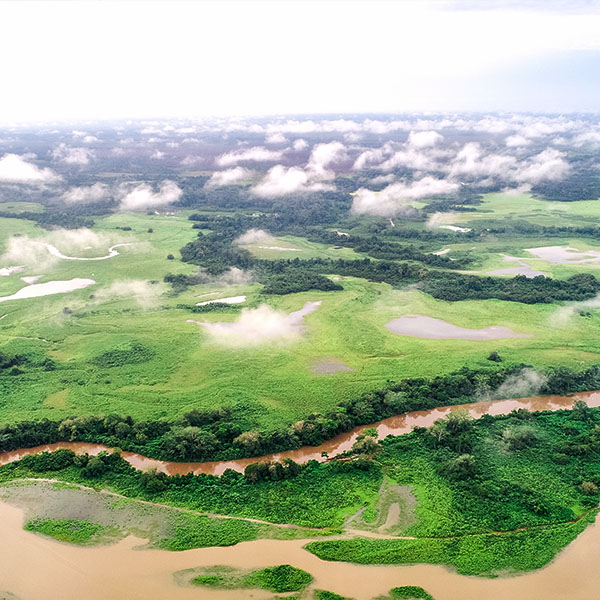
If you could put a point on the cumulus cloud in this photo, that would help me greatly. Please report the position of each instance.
(424, 139)
(15, 169)
(275, 138)
(300, 144)
(253, 236)
(323, 156)
(143, 196)
(71, 155)
(228, 176)
(283, 181)
(548, 165)
(255, 154)
(473, 162)
(83, 194)
(396, 197)
(157, 155)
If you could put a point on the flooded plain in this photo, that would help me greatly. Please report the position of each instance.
(34, 567)
(522, 269)
(565, 255)
(36, 290)
(431, 328)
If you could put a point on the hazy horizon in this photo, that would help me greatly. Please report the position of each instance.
(109, 61)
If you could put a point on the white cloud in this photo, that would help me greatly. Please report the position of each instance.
(324, 155)
(255, 154)
(514, 141)
(396, 198)
(145, 294)
(92, 193)
(228, 176)
(300, 144)
(262, 325)
(424, 139)
(90, 139)
(472, 161)
(14, 169)
(283, 181)
(275, 138)
(71, 155)
(143, 196)
(548, 165)
(438, 219)
(157, 155)
(253, 236)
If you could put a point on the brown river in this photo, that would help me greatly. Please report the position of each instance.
(33, 567)
(341, 443)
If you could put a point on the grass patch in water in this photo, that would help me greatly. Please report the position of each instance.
(82, 533)
(280, 578)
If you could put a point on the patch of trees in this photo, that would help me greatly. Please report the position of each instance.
(212, 307)
(298, 280)
(581, 185)
(120, 357)
(454, 287)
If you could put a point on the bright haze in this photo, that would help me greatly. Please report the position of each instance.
(106, 60)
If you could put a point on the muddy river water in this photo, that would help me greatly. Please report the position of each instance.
(33, 567)
(36, 568)
(341, 443)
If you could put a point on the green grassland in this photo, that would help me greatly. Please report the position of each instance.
(186, 370)
(183, 369)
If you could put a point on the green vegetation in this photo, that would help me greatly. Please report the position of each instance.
(407, 592)
(280, 579)
(325, 595)
(70, 530)
(496, 494)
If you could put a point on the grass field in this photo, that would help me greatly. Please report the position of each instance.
(184, 369)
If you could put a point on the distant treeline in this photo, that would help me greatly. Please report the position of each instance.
(51, 218)
(223, 433)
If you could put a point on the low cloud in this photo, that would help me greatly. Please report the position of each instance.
(143, 196)
(72, 156)
(276, 138)
(396, 198)
(15, 169)
(283, 181)
(235, 276)
(514, 141)
(253, 236)
(300, 144)
(85, 194)
(228, 176)
(255, 154)
(548, 165)
(323, 156)
(526, 383)
(254, 326)
(424, 139)
(438, 219)
(143, 293)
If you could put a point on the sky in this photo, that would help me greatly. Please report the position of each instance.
(154, 59)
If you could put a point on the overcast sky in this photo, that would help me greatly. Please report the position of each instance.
(78, 60)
